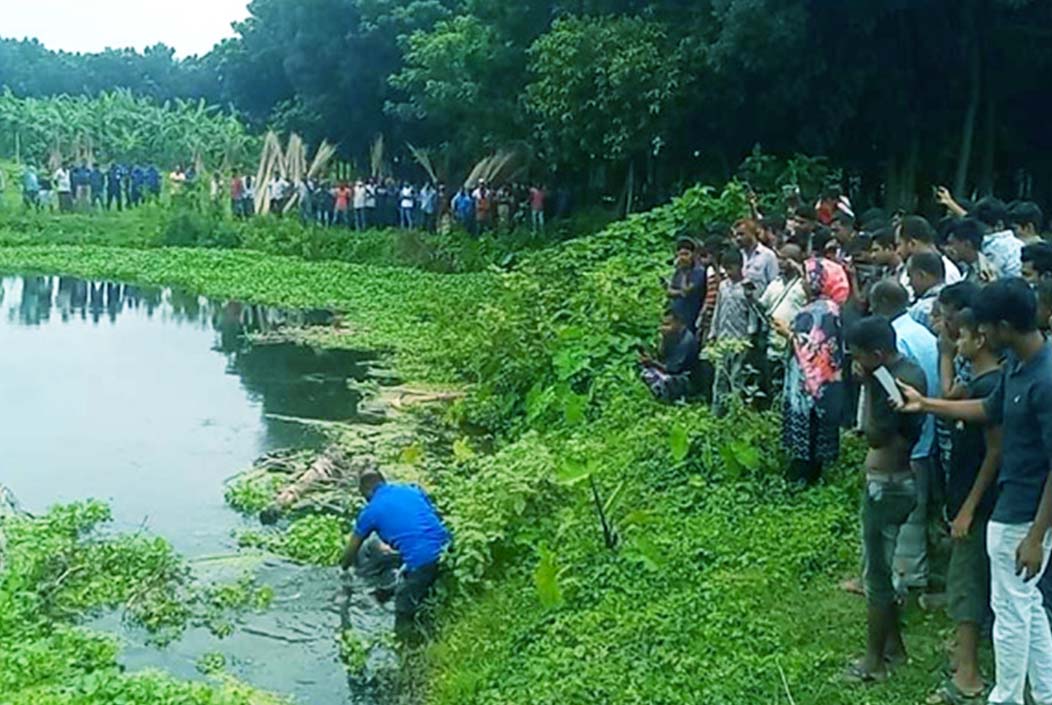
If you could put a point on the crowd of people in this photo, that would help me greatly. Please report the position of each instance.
(929, 339)
(82, 188)
(387, 203)
(360, 205)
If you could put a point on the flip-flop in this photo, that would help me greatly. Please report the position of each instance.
(949, 694)
(855, 673)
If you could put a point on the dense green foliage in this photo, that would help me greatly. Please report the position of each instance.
(119, 127)
(944, 90)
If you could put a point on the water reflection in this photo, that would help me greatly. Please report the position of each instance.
(149, 398)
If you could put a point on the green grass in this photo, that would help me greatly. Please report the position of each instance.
(723, 582)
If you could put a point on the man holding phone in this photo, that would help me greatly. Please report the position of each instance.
(891, 490)
(1019, 534)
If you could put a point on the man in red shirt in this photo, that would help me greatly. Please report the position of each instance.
(537, 198)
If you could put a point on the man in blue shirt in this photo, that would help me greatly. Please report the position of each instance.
(1019, 534)
(404, 519)
(889, 299)
(686, 289)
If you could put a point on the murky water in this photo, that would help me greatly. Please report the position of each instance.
(149, 399)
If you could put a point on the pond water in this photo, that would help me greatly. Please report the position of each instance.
(150, 399)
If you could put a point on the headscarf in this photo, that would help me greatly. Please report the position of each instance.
(818, 346)
(828, 280)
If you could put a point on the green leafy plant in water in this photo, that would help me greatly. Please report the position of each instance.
(211, 663)
(252, 493)
(318, 539)
(60, 568)
(354, 652)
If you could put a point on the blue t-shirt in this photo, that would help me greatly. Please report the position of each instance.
(917, 342)
(1022, 404)
(406, 520)
(688, 307)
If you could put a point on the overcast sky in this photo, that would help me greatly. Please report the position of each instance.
(191, 26)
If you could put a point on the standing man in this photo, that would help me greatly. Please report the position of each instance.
(927, 279)
(537, 199)
(964, 243)
(30, 187)
(429, 206)
(404, 519)
(761, 264)
(1000, 244)
(784, 298)
(915, 342)
(358, 201)
(98, 188)
(64, 188)
(891, 493)
(115, 187)
(686, 290)
(916, 235)
(1019, 534)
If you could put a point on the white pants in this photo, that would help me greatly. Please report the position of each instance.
(1022, 639)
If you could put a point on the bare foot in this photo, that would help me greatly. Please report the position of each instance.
(853, 586)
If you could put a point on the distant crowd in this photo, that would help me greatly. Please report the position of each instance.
(81, 188)
(358, 205)
(930, 339)
(387, 203)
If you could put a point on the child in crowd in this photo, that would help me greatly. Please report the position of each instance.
(970, 497)
(731, 321)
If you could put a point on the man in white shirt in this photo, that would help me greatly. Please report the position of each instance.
(64, 188)
(358, 201)
(784, 297)
(761, 264)
(916, 235)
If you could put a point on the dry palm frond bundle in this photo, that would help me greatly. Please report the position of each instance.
(376, 158)
(54, 160)
(500, 168)
(271, 162)
(296, 158)
(322, 158)
(423, 158)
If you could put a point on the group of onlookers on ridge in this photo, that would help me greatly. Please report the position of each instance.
(361, 204)
(386, 203)
(928, 339)
(82, 188)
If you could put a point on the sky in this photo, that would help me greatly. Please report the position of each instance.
(190, 26)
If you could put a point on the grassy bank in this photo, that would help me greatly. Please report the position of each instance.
(720, 585)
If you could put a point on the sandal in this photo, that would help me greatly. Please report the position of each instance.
(857, 673)
(949, 694)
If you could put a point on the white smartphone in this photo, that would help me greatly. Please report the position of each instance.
(891, 387)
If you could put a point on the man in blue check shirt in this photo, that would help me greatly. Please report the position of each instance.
(1019, 534)
(405, 519)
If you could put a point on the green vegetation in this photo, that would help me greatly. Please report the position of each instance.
(316, 538)
(119, 126)
(60, 567)
(716, 584)
(612, 97)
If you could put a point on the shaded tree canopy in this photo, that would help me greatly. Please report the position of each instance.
(900, 94)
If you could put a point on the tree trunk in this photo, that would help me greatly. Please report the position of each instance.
(630, 187)
(964, 158)
(986, 175)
